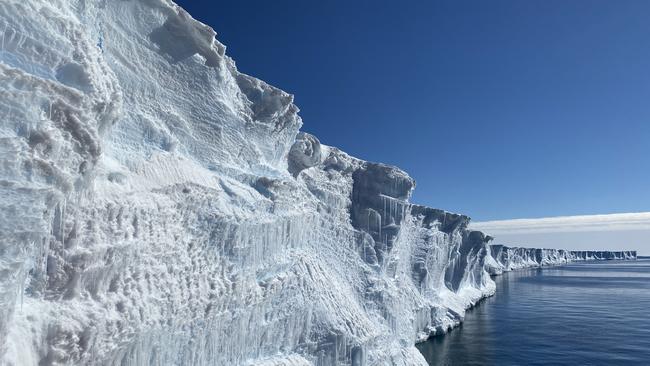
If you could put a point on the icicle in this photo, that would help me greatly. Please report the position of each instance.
(384, 212)
(4, 33)
(62, 222)
(21, 286)
(380, 226)
(368, 224)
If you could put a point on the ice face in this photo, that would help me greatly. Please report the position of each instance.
(502, 258)
(603, 255)
(160, 207)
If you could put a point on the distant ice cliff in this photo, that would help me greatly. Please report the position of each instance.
(161, 208)
(504, 259)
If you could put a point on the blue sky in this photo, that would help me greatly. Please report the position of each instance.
(499, 109)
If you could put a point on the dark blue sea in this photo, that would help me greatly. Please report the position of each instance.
(594, 313)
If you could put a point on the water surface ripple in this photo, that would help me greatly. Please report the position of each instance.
(595, 313)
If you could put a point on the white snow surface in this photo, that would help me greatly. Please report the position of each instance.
(161, 208)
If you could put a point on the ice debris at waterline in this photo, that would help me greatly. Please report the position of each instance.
(161, 208)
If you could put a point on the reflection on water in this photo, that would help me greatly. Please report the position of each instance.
(595, 313)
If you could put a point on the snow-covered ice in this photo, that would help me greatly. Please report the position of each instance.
(161, 208)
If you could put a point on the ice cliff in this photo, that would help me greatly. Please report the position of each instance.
(161, 208)
(603, 255)
(502, 258)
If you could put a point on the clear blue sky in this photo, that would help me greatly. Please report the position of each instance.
(499, 109)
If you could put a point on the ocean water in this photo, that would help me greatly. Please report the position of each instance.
(594, 313)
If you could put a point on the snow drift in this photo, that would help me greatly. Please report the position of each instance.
(162, 208)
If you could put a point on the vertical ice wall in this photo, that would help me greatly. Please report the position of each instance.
(502, 258)
(58, 97)
(603, 255)
(162, 208)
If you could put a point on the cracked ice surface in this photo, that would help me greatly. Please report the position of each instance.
(161, 208)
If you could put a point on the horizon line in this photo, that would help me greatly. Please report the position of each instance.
(596, 222)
